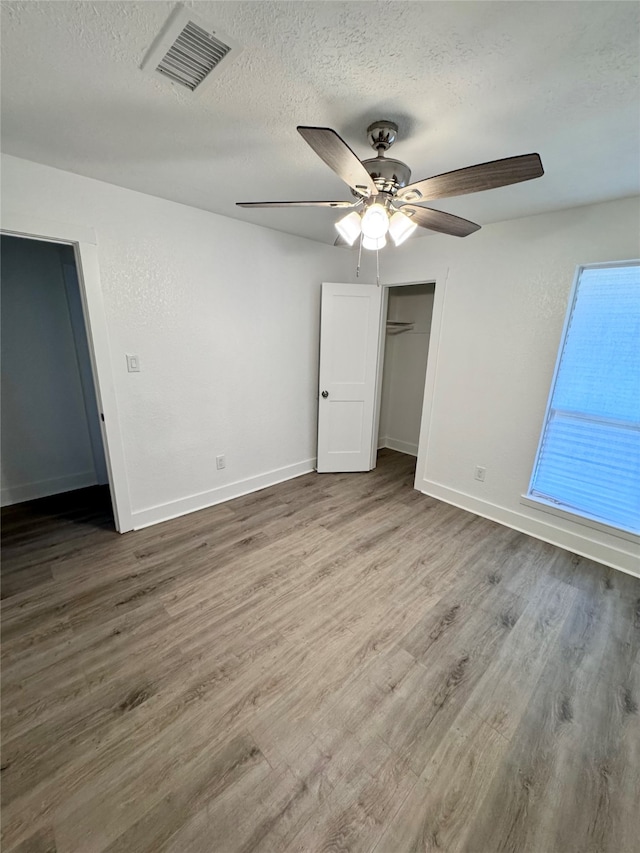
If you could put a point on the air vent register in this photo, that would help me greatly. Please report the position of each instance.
(187, 50)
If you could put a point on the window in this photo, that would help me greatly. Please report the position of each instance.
(588, 460)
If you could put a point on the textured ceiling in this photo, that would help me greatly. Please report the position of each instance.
(466, 82)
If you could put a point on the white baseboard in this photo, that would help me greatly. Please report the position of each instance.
(193, 503)
(401, 446)
(623, 557)
(43, 488)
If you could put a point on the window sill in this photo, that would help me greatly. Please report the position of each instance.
(553, 509)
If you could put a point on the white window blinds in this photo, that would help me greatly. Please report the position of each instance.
(588, 461)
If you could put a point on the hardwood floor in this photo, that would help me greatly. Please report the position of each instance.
(337, 663)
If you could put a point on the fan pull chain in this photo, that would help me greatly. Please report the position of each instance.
(377, 266)
(359, 257)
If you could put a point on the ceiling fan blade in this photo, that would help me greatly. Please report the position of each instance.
(338, 156)
(338, 204)
(437, 220)
(474, 179)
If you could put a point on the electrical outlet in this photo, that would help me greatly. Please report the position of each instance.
(220, 462)
(480, 473)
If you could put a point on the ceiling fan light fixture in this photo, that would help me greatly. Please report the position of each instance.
(401, 227)
(349, 227)
(373, 242)
(375, 222)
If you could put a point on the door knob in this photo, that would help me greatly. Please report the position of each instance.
(325, 394)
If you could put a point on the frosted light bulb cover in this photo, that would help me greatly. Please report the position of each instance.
(349, 227)
(375, 221)
(372, 243)
(401, 227)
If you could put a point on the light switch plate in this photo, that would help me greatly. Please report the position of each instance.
(133, 364)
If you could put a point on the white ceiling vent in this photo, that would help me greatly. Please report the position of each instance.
(187, 50)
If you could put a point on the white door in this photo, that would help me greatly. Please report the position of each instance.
(350, 327)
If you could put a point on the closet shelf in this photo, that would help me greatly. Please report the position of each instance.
(395, 327)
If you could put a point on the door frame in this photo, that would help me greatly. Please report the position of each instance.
(438, 278)
(83, 242)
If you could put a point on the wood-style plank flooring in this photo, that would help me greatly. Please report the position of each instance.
(337, 663)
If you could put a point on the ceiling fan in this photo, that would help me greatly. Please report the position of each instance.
(384, 200)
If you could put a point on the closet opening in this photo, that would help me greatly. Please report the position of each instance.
(404, 367)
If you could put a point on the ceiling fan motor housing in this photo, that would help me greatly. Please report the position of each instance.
(389, 175)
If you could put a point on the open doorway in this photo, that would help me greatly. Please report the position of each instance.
(51, 433)
(406, 331)
(82, 241)
(404, 369)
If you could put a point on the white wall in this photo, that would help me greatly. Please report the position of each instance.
(224, 317)
(46, 445)
(506, 295)
(405, 366)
